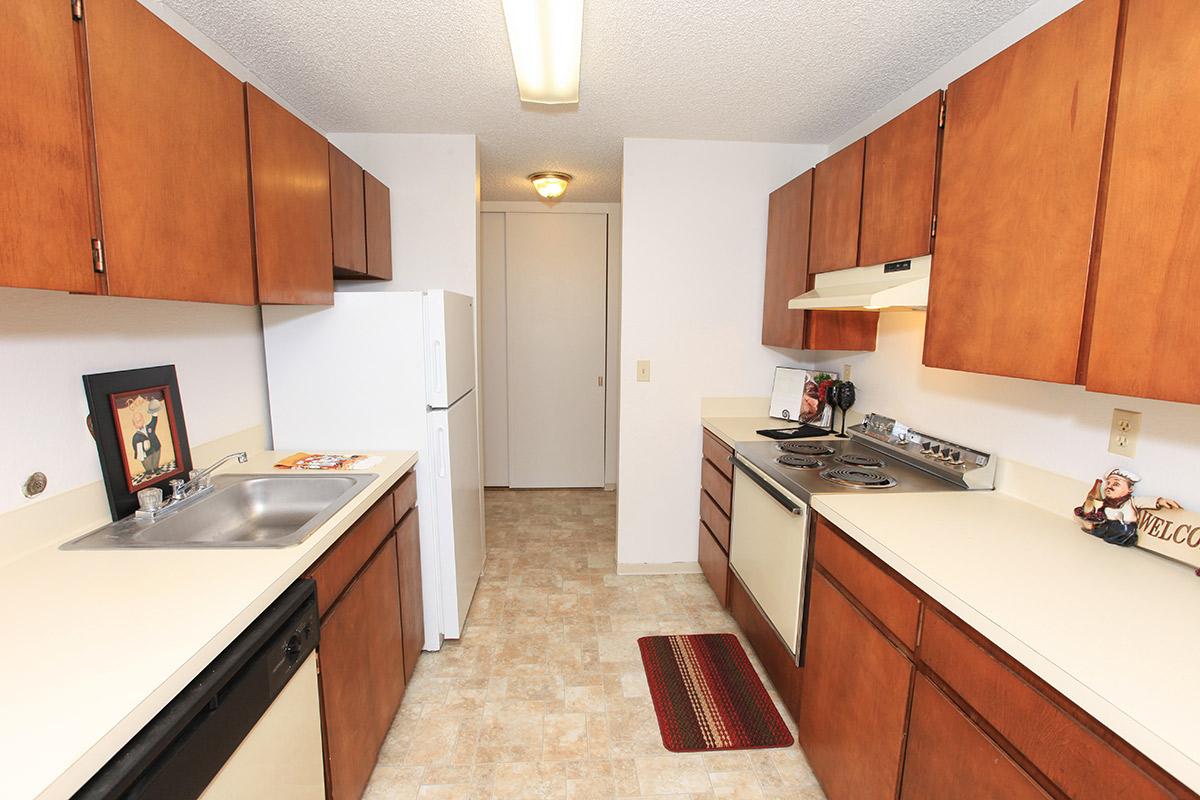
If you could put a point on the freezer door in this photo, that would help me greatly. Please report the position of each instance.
(449, 347)
(458, 501)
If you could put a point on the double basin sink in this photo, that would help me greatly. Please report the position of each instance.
(240, 511)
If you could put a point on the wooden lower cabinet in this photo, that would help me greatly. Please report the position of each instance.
(949, 758)
(716, 507)
(412, 608)
(776, 660)
(714, 563)
(854, 699)
(362, 672)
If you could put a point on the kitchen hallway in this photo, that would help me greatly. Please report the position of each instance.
(545, 696)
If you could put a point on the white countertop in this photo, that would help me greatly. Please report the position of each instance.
(98, 642)
(732, 430)
(1113, 629)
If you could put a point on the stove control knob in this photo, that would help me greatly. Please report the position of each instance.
(956, 457)
(927, 448)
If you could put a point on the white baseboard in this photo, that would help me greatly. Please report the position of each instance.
(670, 568)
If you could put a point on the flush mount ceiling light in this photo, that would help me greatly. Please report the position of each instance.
(550, 185)
(545, 38)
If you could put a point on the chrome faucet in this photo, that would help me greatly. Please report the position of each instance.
(150, 502)
(200, 479)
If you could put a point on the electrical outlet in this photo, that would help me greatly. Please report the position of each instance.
(1122, 437)
(643, 371)
(847, 372)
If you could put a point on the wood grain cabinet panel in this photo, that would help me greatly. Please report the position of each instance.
(170, 133)
(1074, 758)
(718, 453)
(854, 699)
(1145, 334)
(342, 562)
(1020, 172)
(715, 519)
(412, 608)
(378, 212)
(842, 330)
(788, 211)
(714, 564)
(347, 201)
(720, 488)
(46, 200)
(289, 169)
(837, 210)
(949, 758)
(893, 605)
(362, 673)
(404, 496)
(899, 174)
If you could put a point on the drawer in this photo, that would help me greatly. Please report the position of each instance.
(716, 520)
(346, 557)
(715, 565)
(718, 453)
(1070, 755)
(718, 486)
(892, 604)
(404, 496)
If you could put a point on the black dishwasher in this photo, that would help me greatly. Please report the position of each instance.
(179, 752)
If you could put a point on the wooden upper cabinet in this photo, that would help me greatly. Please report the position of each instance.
(853, 699)
(898, 183)
(170, 133)
(289, 169)
(349, 215)
(787, 275)
(378, 212)
(836, 210)
(1020, 173)
(46, 205)
(788, 212)
(1145, 334)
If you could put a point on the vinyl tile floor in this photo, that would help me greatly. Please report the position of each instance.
(544, 695)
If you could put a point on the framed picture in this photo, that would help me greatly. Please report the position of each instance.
(136, 417)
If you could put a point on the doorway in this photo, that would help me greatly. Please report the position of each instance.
(548, 324)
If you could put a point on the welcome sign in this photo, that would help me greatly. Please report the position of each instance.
(1173, 533)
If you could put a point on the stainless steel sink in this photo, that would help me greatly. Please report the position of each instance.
(241, 511)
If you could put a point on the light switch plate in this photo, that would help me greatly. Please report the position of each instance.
(1122, 437)
(643, 371)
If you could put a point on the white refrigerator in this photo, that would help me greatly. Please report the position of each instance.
(392, 371)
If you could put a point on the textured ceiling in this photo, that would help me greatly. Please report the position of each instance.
(765, 70)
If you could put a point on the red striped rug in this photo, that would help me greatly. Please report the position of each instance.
(707, 695)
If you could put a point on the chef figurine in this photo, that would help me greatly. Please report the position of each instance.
(1111, 511)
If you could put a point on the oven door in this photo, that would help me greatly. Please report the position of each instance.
(768, 551)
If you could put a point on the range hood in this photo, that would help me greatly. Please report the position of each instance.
(897, 286)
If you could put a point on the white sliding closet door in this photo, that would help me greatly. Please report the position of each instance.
(556, 285)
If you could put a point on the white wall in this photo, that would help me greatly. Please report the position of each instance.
(694, 242)
(494, 349)
(49, 340)
(433, 181)
(1059, 428)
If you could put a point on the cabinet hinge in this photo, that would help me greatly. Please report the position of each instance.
(76, 10)
(942, 115)
(933, 227)
(97, 255)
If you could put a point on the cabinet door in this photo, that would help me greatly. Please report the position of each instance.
(1145, 334)
(378, 203)
(170, 129)
(349, 215)
(854, 699)
(714, 564)
(949, 758)
(788, 212)
(898, 180)
(46, 223)
(841, 330)
(362, 673)
(1020, 173)
(412, 609)
(289, 171)
(836, 210)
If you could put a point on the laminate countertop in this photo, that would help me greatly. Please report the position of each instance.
(1112, 628)
(98, 641)
(732, 430)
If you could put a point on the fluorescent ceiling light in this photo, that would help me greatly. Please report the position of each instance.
(545, 37)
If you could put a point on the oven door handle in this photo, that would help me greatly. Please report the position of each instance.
(766, 486)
